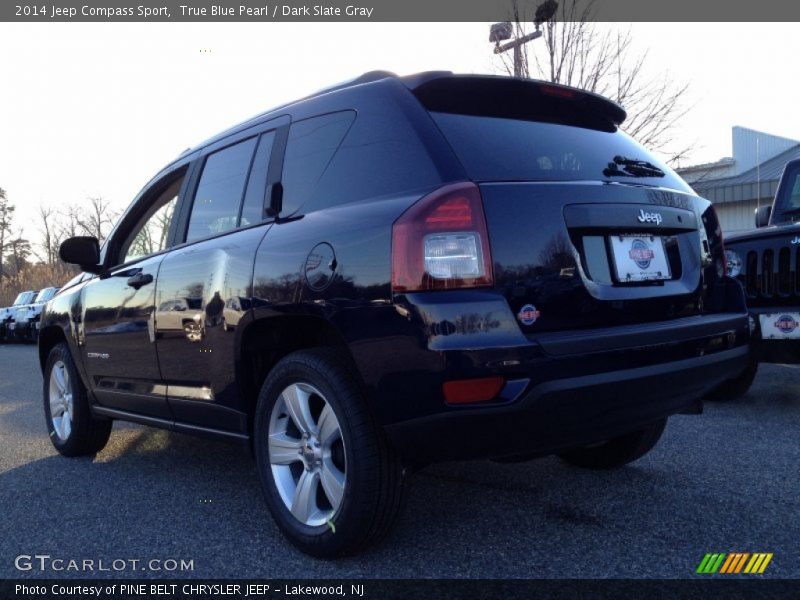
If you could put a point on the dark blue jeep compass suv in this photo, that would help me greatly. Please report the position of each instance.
(396, 271)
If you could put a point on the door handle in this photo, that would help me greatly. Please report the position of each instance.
(139, 280)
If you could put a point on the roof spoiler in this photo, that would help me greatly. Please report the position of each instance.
(512, 97)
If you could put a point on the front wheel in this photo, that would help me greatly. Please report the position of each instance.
(331, 482)
(73, 430)
(616, 452)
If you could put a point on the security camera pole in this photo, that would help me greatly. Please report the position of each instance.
(500, 32)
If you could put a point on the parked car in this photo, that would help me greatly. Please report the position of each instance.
(181, 317)
(765, 261)
(26, 321)
(438, 267)
(9, 313)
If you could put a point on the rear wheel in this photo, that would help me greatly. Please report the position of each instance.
(735, 388)
(616, 452)
(330, 480)
(74, 431)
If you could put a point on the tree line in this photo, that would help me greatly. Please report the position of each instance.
(33, 264)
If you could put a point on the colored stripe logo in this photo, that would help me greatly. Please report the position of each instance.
(734, 562)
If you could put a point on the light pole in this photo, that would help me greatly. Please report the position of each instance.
(500, 32)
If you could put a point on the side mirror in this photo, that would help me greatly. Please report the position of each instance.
(763, 213)
(83, 251)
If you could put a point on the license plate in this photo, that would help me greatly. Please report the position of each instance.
(780, 326)
(639, 258)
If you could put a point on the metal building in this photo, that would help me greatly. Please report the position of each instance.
(738, 184)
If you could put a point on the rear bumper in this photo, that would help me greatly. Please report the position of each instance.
(564, 413)
(563, 389)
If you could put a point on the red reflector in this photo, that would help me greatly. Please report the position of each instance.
(466, 391)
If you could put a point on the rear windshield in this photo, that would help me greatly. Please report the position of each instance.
(502, 149)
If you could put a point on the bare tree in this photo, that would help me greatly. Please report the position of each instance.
(574, 51)
(6, 213)
(99, 218)
(71, 218)
(49, 238)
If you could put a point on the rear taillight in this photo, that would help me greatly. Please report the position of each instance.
(441, 242)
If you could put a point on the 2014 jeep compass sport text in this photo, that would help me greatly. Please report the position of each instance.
(396, 271)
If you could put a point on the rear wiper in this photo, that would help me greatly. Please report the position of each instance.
(630, 167)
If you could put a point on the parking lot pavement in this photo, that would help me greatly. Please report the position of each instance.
(722, 482)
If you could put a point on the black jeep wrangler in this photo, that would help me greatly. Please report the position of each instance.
(767, 263)
(396, 271)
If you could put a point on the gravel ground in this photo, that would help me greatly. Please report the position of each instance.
(721, 482)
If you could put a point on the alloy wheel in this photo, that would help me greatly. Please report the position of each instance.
(307, 455)
(61, 401)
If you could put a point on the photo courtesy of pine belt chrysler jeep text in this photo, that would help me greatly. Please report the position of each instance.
(396, 271)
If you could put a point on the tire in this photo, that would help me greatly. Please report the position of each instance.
(616, 452)
(73, 430)
(733, 389)
(357, 479)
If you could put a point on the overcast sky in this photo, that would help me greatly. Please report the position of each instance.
(98, 108)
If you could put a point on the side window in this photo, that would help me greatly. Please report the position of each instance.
(219, 191)
(150, 234)
(253, 207)
(310, 147)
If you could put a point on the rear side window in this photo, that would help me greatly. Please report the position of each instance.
(309, 149)
(382, 154)
(504, 149)
(219, 192)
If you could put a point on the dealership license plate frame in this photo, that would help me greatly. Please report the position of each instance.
(770, 329)
(627, 270)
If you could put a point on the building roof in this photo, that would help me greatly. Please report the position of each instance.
(743, 186)
(769, 170)
(722, 162)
